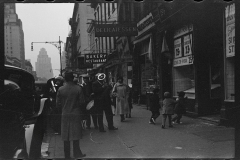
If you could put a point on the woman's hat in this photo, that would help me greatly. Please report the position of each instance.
(166, 94)
(181, 94)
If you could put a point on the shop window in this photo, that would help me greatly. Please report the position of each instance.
(183, 69)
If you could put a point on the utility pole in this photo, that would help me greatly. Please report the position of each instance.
(57, 44)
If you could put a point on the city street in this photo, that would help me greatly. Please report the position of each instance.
(136, 138)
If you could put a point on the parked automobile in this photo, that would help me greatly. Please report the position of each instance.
(22, 115)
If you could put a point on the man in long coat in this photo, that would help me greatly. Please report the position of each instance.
(70, 98)
(102, 102)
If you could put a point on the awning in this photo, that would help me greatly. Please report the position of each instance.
(142, 38)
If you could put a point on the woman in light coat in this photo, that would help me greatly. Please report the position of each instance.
(122, 92)
(71, 99)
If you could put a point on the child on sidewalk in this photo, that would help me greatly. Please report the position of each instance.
(179, 107)
(168, 109)
(154, 105)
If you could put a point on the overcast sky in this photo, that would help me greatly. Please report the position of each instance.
(44, 22)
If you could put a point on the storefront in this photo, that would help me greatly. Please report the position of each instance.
(195, 41)
(229, 64)
(144, 57)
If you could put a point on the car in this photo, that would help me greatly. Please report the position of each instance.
(23, 113)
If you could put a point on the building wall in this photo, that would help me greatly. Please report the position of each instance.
(43, 65)
(13, 34)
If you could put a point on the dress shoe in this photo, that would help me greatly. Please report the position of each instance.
(113, 128)
(96, 127)
(102, 131)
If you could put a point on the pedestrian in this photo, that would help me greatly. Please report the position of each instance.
(70, 99)
(88, 94)
(130, 101)
(122, 92)
(179, 107)
(168, 109)
(102, 102)
(52, 87)
(154, 105)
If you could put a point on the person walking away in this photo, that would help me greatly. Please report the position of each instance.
(51, 90)
(130, 101)
(168, 109)
(70, 98)
(87, 90)
(179, 107)
(154, 105)
(102, 101)
(122, 92)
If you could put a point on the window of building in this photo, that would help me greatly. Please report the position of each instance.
(183, 70)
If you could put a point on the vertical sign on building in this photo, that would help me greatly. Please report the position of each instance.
(230, 30)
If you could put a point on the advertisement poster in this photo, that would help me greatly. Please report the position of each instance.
(230, 30)
(187, 45)
(177, 48)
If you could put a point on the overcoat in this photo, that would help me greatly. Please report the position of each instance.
(168, 106)
(179, 107)
(154, 102)
(122, 93)
(71, 99)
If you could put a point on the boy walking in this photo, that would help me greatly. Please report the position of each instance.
(154, 105)
(168, 109)
(179, 107)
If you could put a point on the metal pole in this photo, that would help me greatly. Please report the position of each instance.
(60, 56)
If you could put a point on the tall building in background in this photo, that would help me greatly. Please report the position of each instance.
(43, 65)
(13, 37)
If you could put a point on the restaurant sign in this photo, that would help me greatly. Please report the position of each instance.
(115, 30)
(96, 58)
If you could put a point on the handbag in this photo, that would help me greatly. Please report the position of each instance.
(90, 105)
(113, 109)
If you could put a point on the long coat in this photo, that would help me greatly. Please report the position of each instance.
(154, 102)
(168, 106)
(122, 93)
(71, 99)
(98, 90)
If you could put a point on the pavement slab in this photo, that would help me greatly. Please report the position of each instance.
(136, 138)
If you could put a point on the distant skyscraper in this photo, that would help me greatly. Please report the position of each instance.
(44, 65)
(13, 37)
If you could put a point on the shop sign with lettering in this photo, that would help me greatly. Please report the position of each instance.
(183, 61)
(115, 30)
(145, 24)
(177, 48)
(96, 58)
(184, 30)
(230, 30)
(187, 45)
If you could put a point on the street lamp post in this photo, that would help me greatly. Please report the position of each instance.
(58, 46)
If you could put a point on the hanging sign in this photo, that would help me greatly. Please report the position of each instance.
(115, 30)
(145, 24)
(183, 61)
(230, 30)
(96, 58)
(177, 48)
(187, 45)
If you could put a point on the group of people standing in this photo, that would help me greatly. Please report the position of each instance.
(73, 99)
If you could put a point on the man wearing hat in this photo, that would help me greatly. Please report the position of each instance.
(102, 101)
(87, 90)
(71, 100)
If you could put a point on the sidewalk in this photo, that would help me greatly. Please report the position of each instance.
(133, 137)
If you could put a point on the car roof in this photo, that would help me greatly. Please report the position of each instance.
(16, 68)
